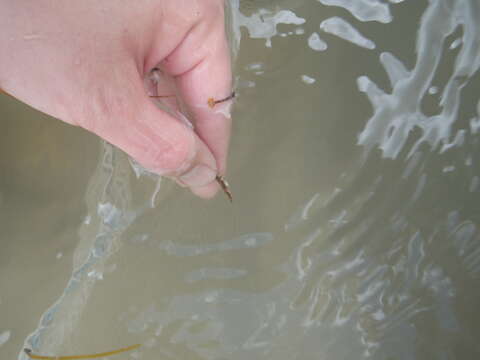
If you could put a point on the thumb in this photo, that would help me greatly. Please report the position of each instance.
(158, 141)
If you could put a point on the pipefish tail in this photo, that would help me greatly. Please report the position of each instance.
(76, 357)
(225, 187)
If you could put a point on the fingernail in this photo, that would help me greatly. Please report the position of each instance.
(200, 175)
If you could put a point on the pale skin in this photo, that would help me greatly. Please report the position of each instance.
(85, 62)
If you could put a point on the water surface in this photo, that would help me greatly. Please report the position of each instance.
(353, 233)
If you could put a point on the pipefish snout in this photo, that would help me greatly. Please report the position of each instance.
(77, 357)
(212, 102)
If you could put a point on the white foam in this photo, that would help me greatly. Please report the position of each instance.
(255, 66)
(456, 43)
(308, 80)
(299, 31)
(364, 10)
(341, 28)
(4, 337)
(263, 24)
(396, 114)
(315, 43)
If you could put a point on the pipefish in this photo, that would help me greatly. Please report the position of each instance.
(219, 178)
(76, 357)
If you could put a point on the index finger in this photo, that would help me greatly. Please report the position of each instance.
(201, 67)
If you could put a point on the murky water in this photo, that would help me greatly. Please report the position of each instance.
(354, 230)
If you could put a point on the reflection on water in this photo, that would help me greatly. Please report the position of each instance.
(354, 231)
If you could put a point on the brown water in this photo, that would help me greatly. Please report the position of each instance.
(354, 229)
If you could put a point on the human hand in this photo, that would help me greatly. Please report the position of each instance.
(85, 62)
